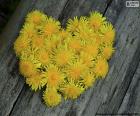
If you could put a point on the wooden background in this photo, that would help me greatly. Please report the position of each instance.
(118, 93)
(7, 8)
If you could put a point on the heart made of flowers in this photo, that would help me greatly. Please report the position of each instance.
(64, 61)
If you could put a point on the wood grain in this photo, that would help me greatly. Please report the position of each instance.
(131, 101)
(117, 93)
(11, 83)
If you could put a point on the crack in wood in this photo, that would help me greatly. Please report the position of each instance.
(16, 101)
(108, 4)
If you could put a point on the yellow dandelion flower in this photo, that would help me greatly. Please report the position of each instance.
(71, 90)
(51, 27)
(72, 24)
(38, 42)
(91, 49)
(107, 52)
(43, 57)
(88, 80)
(27, 68)
(20, 45)
(75, 70)
(36, 17)
(28, 54)
(83, 23)
(86, 59)
(28, 30)
(51, 43)
(64, 34)
(51, 97)
(63, 56)
(96, 37)
(54, 76)
(36, 81)
(108, 33)
(101, 67)
(83, 31)
(74, 44)
(96, 20)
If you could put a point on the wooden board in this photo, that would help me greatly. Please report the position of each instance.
(7, 7)
(117, 93)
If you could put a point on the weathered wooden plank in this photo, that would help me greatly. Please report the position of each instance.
(114, 9)
(131, 101)
(107, 97)
(30, 104)
(10, 83)
(51, 7)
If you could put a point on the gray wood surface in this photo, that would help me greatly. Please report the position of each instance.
(117, 93)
